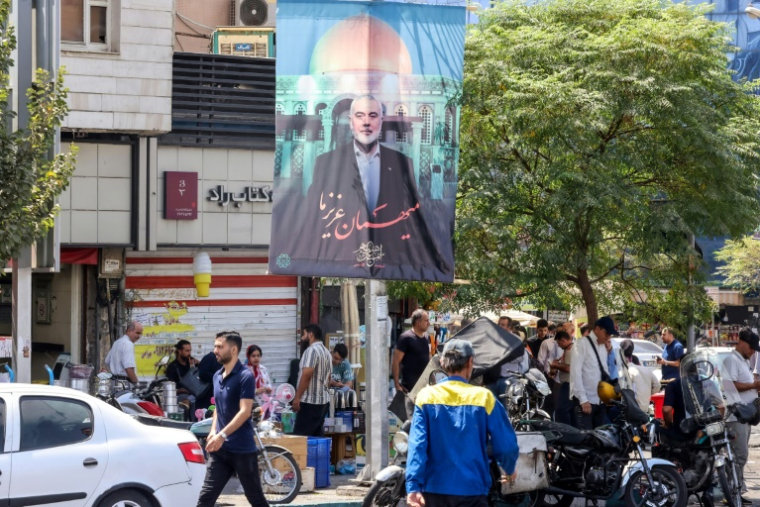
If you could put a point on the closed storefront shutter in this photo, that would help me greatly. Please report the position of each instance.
(161, 295)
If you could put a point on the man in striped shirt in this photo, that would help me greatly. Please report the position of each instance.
(312, 397)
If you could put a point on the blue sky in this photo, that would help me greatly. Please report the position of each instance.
(434, 35)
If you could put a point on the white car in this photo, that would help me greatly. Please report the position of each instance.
(646, 351)
(65, 448)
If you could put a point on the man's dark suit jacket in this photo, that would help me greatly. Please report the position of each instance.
(398, 224)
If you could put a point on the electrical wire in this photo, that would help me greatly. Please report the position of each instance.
(188, 20)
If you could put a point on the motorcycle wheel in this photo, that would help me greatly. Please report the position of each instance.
(383, 494)
(638, 491)
(731, 491)
(284, 484)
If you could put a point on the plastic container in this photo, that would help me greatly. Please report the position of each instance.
(659, 400)
(80, 371)
(318, 458)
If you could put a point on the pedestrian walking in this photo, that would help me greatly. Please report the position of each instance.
(588, 367)
(671, 355)
(448, 460)
(312, 396)
(230, 443)
(738, 371)
(564, 411)
(411, 357)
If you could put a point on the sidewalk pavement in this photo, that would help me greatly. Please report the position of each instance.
(335, 496)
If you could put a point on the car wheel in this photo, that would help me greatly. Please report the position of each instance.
(125, 498)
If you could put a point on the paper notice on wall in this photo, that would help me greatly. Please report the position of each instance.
(382, 307)
(6, 346)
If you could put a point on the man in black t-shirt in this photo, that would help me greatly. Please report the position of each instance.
(178, 368)
(411, 357)
(673, 411)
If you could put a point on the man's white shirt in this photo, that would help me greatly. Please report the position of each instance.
(549, 352)
(644, 384)
(121, 356)
(584, 370)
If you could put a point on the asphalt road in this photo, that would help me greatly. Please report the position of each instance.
(233, 495)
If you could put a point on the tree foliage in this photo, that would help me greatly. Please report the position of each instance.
(741, 263)
(597, 135)
(30, 179)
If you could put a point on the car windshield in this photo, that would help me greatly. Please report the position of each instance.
(646, 348)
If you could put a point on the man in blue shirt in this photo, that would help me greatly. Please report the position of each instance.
(230, 443)
(448, 464)
(671, 355)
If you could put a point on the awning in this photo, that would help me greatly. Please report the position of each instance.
(79, 256)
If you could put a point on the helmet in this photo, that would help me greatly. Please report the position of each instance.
(607, 392)
(609, 436)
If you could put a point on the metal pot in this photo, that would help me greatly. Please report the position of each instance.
(351, 400)
(80, 384)
(340, 401)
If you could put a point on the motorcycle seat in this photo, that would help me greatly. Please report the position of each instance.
(560, 433)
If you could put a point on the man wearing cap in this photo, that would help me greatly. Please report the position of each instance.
(588, 362)
(738, 371)
(447, 464)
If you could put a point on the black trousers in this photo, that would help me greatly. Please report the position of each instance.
(590, 421)
(310, 420)
(436, 500)
(221, 465)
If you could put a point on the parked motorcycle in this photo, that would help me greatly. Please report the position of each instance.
(123, 396)
(596, 464)
(523, 398)
(279, 471)
(708, 452)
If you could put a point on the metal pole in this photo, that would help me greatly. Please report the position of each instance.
(690, 345)
(376, 408)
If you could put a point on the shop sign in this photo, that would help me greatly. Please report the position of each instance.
(249, 194)
(181, 195)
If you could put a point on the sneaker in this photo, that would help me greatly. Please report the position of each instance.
(746, 501)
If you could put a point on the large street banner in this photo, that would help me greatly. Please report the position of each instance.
(367, 139)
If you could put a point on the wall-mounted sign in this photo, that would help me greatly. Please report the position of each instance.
(181, 195)
(243, 47)
(249, 194)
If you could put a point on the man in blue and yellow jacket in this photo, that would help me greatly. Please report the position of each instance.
(447, 464)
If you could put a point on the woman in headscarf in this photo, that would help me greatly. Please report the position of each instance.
(260, 373)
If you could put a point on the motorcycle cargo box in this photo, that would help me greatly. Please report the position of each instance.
(531, 465)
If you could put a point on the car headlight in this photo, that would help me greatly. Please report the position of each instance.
(265, 426)
(714, 429)
(401, 442)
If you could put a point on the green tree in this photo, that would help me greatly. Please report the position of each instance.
(30, 179)
(597, 135)
(741, 263)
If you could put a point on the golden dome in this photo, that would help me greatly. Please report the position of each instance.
(361, 44)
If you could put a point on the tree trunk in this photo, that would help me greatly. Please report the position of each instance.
(587, 291)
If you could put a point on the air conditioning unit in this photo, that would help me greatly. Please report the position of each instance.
(243, 41)
(255, 13)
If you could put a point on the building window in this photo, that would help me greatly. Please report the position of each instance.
(426, 114)
(300, 135)
(279, 110)
(87, 24)
(448, 135)
(401, 112)
(320, 110)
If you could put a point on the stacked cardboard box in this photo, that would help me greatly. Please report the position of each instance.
(298, 446)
